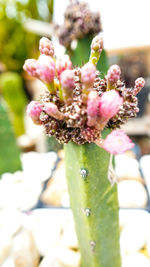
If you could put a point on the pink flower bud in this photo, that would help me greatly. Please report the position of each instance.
(109, 104)
(96, 49)
(46, 47)
(30, 66)
(67, 80)
(62, 64)
(92, 108)
(88, 74)
(117, 142)
(113, 74)
(34, 110)
(97, 44)
(52, 110)
(46, 68)
(139, 84)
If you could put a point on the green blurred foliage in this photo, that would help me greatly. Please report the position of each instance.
(11, 87)
(16, 44)
(9, 151)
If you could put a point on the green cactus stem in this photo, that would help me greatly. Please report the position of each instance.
(12, 90)
(94, 204)
(9, 151)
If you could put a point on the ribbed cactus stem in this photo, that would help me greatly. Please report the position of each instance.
(94, 204)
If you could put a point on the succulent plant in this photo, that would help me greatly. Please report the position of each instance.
(85, 112)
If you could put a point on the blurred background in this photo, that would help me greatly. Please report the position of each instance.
(36, 225)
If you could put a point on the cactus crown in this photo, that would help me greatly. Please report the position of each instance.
(79, 104)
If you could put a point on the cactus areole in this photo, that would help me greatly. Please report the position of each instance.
(84, 112)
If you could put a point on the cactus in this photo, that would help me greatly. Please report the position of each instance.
(12, 90)
(83, 111)
(94, 204)
(9, 151)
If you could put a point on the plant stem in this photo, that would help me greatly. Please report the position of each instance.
(51, 87)
(94, 204)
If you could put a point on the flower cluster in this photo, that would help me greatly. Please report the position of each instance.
(79, 20)
(79, 104)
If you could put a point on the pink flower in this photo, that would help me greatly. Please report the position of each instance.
(67, 79)
(46, 68)
(34, 110)
(109, 104)
(88, 74)
(52, 110)
(117, 142)
(46, 47)
(139, 84)
(62, 64)
(113, 74)
(92, 108)
(30, 66)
